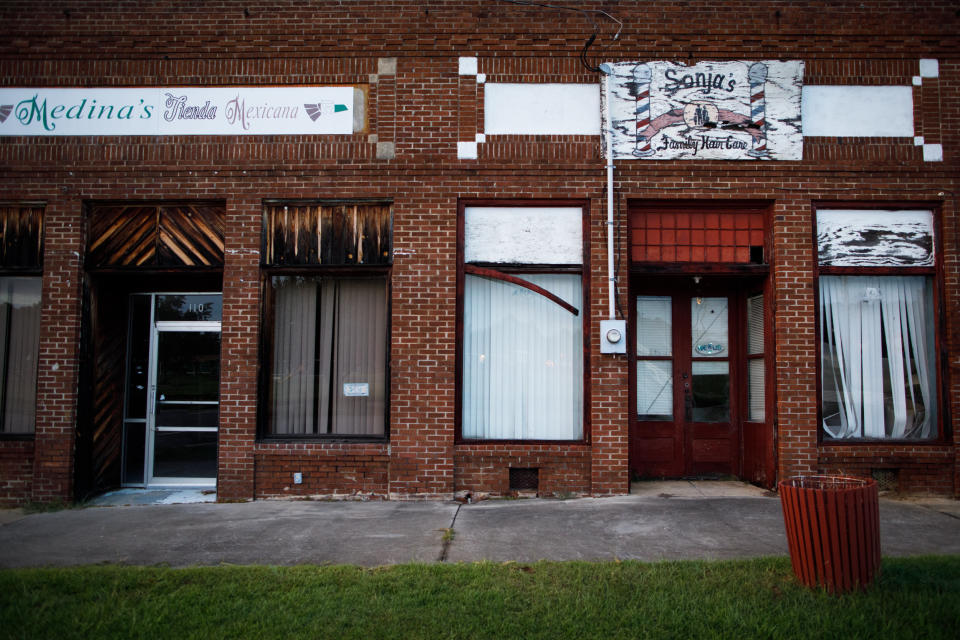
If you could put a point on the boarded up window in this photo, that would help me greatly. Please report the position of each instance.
(697, 236)
(524, 235)
(148, 235)
(326, 234)
(872, 238)
(21, 236)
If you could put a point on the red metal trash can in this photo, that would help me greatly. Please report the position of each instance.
(833, 530)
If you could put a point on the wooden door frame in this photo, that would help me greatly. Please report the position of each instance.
(737, 288)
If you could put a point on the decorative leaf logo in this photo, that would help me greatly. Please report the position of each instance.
(5, 111)
(322, 108)
(313, 110)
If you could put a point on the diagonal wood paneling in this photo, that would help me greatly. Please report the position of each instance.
(107, 401)
(326, 234)
(191, 235)
(164, 235)
(21, 236)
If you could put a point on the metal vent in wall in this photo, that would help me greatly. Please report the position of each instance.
(524, 479)
(887, 479)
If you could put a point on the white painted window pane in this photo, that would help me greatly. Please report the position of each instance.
(654, 322)
(878, 238)
(655, 389)
(848, 111)
(524, 235)
(541, 109)
(522, 360)
(755, 390)
(708, 326)
(755, 325)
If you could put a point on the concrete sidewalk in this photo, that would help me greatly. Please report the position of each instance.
(659, 521)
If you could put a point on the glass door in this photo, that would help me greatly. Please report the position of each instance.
(173, 390)
(685, 421)
(186, 405)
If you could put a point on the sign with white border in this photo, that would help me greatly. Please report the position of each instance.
(176, 111)
(727, 110)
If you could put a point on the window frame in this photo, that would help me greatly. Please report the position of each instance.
(936, 276)
(382, 272)
(32, 270)
(521, 269)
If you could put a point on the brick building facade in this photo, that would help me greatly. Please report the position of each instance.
(430, 145)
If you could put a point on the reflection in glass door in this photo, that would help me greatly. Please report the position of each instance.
(173, 399)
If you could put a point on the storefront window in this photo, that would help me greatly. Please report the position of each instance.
(328, 373)
(877, 329)
(521, 347)
(327, 313)
(19, 344)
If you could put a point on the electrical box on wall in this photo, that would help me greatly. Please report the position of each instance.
(613, 336)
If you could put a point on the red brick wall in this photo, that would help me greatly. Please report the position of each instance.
(16, 472)
(424, 109)
(484, 469)
(331, 470)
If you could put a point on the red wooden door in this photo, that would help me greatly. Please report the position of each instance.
(686, 383)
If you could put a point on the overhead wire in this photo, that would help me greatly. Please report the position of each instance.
(587, 13)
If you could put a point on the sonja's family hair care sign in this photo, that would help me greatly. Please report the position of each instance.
(169, 111)
(740, 110)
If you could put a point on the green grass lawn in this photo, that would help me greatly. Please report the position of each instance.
(914, 598)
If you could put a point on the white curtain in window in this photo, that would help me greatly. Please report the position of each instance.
(19, 346)
(522, 360)
(294, 349)
(330, 352)
(357, 340)
(877, 359)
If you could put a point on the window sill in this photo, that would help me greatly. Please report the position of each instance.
(17, 436)
(475, 442)
(315, 439)
(870, 442)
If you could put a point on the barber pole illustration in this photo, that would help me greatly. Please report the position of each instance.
(757, 76)
(641, 79)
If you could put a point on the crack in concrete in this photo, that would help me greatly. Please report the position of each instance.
(448, 534)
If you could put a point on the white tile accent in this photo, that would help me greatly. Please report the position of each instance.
(933, 153)
(468, 66)
(847, 111)
(917, 141)
(917, 81)
(541, 109)
(929, 68)
(467, 150)
(481, 78)
(481, 137)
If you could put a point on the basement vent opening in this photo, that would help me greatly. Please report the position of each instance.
(524, 479)
(888, 480)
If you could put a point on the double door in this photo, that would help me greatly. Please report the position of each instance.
(688, 380)
(172, 400)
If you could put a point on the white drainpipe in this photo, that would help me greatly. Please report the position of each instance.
(611, 276)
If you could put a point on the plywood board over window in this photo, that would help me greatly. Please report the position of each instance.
(697, 235)
(155, 235)
(326, 234)
(21, 236)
